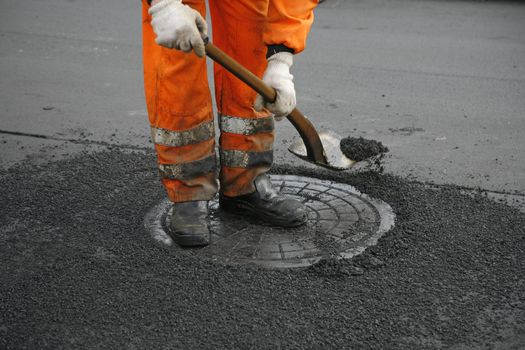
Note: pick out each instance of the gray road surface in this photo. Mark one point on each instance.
(441, 83)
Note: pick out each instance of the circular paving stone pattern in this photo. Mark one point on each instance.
(342, 222)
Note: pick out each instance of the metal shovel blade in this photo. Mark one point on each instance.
(335, 159)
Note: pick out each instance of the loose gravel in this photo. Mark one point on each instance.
(78, 270)
(359, 148)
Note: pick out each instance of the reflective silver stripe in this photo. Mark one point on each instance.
(242, 159)
(200, 133)
(188, 171)
(244, 126)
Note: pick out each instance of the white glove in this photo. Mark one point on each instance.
(178, 26)
(277, 75)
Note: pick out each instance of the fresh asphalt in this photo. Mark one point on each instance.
(79, 271)
(440, 83)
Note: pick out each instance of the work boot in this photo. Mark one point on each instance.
(188, 225)
(266, 204)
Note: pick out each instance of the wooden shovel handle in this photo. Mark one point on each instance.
(314, 147)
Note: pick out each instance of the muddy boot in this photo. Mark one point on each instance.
(189, 225)
(267, 205)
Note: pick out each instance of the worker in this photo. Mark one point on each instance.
(262, 35)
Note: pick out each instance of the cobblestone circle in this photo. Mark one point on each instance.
(342, 222)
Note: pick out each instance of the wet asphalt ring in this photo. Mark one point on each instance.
(78, 270)
(342, 223)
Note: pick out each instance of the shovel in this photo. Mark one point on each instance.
(318, 148)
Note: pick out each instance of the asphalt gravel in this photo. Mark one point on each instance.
(78, 270)
(359, 148)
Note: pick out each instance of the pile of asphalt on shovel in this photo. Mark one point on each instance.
(78, 270)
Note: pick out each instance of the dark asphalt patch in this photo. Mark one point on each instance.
(359, 148)
(78, 270)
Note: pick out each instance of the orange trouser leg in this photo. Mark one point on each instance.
(180, 114)
(289, 22)
(247, 136)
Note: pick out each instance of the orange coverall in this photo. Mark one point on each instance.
(179, 101)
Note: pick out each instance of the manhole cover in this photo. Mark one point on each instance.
(341, 222)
